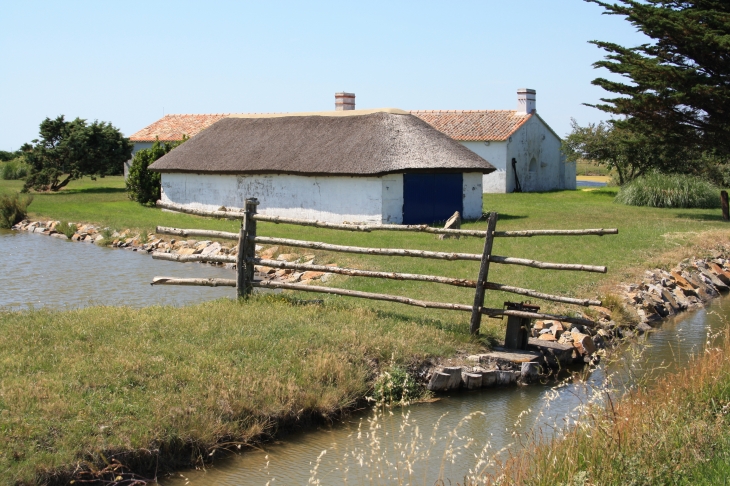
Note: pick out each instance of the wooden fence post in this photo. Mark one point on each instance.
(476, 314)
(246, 251)
(725, 209)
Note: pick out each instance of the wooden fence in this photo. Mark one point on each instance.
(246, 259)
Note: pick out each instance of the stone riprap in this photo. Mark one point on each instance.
(660, 294)
(152, 243)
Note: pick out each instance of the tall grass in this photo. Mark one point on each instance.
(13, 209)
(669, 191)
(674, 432)
(68, 229)
(160, 387)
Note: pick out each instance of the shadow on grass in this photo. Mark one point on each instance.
(502, 217)
(87, 190)
(701, 217)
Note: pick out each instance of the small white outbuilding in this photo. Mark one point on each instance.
(365, 166)
(523, 148)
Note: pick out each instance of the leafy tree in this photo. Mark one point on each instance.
(6, 156)
(69, 150)
(143, 185)
(678, 94)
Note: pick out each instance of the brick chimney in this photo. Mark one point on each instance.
(344, 101)
(526, 101)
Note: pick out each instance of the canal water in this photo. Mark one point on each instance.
(447, 438)
(416, 445)
(41, 271)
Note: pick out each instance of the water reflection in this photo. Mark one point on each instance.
(40, 271)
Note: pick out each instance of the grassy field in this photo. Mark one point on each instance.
(79, 384)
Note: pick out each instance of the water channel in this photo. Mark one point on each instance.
(441, 439)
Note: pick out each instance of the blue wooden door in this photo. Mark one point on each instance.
(428, 198)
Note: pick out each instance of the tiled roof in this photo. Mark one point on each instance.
(457, 124)
(474, 124)
(173, 127)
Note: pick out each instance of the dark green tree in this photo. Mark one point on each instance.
(678, 89)
(69, 150)
(143, 185)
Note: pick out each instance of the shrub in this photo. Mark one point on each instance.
(395, 386)
(143, 185)
(669, 191)
(14, 169)
(13, 209)
(67, 229)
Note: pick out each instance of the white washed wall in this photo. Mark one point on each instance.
(496, 154)
(393, 199)
(534, 140)
(472, 195)
(334, 198)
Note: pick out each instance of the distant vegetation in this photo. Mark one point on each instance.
(670, 191)
(70, 150)
(14, 169)
(13, 209)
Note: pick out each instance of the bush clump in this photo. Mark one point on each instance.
(143, 185)
(68, 229)
(13, 170)
(669, 191)
(13, 209)
(395, 387)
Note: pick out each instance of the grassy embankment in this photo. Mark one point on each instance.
(77, 384)
(676, 431)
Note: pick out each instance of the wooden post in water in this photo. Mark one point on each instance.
(725, 209)
(476, 313)
(246, 251)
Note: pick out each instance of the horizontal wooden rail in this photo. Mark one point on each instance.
(194, 258)
(418, 303)
(230, 214)
(221, 282)
(205, 282)
(225, 235)
(581, 232)
(316, 245)
(546, 265)
(458, 282)
(420, 228)
(540, 295)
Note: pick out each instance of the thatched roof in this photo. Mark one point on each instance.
(360, 144)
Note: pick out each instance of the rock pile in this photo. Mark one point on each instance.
(151, 243)
(687, 286)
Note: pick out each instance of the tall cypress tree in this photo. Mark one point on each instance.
(678, 89)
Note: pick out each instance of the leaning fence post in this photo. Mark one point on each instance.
(476, 312)
(246, 250)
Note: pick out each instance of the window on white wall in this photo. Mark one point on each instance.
(533, 165)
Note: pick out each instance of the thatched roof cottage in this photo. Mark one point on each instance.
(370, 166)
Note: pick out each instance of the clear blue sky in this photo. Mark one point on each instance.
(126, 62)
